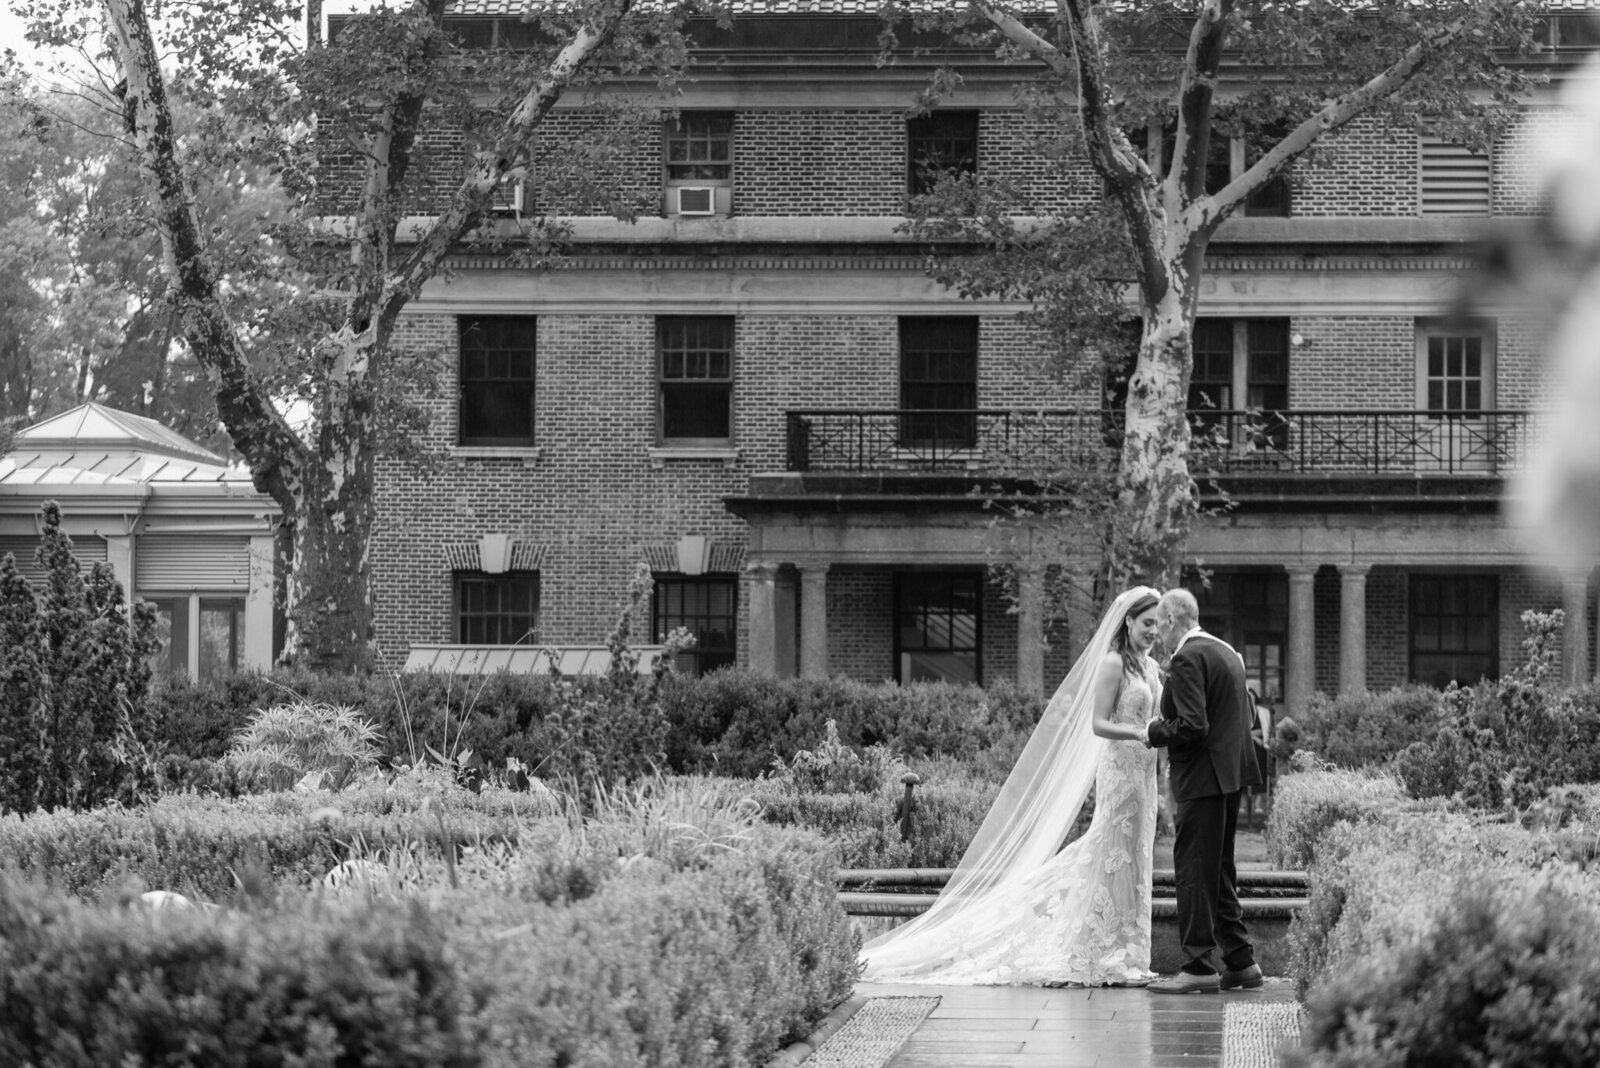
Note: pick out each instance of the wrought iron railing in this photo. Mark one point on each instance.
(1298, 441)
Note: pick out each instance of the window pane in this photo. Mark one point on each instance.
(221, 635)
(696, 377)
(707, 607)
(939, 627)
(1454, 628)
(695, 411)
(699, 146)
(496, 380)
(497, 609)
(941, 142)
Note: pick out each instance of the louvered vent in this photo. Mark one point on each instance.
(89, 551)
(1455, 180)
(177, 563)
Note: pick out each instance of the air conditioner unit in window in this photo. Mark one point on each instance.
(697, 200)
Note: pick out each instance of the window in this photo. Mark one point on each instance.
(937, 627)
(695, 368)
(1455, 629)
(699, 163)
(938, 143)
(1455, 369)
(209, 650)
(1241, 359)
(708, 607)
(1226, 159)
(1455, 179)
(1250, 611)
(496, 609)
(497, 378)
(939, 377)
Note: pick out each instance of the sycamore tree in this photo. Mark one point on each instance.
(394, 143)
(1115, 79)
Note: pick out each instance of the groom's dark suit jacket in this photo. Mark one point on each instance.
(1206, 721)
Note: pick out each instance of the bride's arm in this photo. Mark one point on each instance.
(1106, 684)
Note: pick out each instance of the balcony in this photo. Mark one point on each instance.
(1301, 442)
(1339, 459)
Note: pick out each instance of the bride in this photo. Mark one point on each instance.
(1017, 910)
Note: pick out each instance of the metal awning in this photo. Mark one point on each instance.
(568, 660)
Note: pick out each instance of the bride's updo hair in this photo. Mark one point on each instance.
(1131, 659)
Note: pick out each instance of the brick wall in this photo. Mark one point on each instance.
(1518, 189)
(1043, 162)
(860, 643)
(1363, 169)
(592, 498)
(1388, 628)
(819, 163)
(1349, 362)
(795, 361)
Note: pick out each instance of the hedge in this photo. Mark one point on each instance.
(199, 846)
(1436, 940)
(590, 944)
(727, 723)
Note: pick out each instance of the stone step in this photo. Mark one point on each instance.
(1251, 883)
(877, 903)
(1268, 918)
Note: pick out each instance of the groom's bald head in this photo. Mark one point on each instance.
(1180, 603)
(1179, 611)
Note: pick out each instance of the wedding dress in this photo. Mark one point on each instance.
(1019, 912)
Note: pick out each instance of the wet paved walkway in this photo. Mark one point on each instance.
(1035, 1027)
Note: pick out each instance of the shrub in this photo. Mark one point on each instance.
(73, 682)
(1374, 887)
(284, 744)
(199, 846)
(1306, 805)
(865, 827)
(304, 983)
(1508, 742)
(1368, 729)
(1505, 975)
(668, 928)
(833, 767)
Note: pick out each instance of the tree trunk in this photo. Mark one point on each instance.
(329, 593)
(1156, 499)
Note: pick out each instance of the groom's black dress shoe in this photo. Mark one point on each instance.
(1185, 983)
(1243, 978)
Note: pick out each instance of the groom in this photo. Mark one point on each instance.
(1205, 724)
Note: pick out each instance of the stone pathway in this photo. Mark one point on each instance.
(1037, 1027)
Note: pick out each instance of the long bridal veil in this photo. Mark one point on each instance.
(1029, 819)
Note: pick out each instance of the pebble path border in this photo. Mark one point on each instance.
(873, 1034)
(1253, 1035)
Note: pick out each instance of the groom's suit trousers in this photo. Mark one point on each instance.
(1210, 918)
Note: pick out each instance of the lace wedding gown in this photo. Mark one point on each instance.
(1082, 918)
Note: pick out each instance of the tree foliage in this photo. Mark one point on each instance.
(74, 676)
(1283, 75)
(392, 144)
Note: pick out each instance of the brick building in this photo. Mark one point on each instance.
(729, 389)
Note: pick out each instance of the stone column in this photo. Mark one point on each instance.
(1030, 630)
(1575, 638)
(119, 554)
(814, 621)
(1302, 664)
(1353, 628)
(763, 654)
(257, 651)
